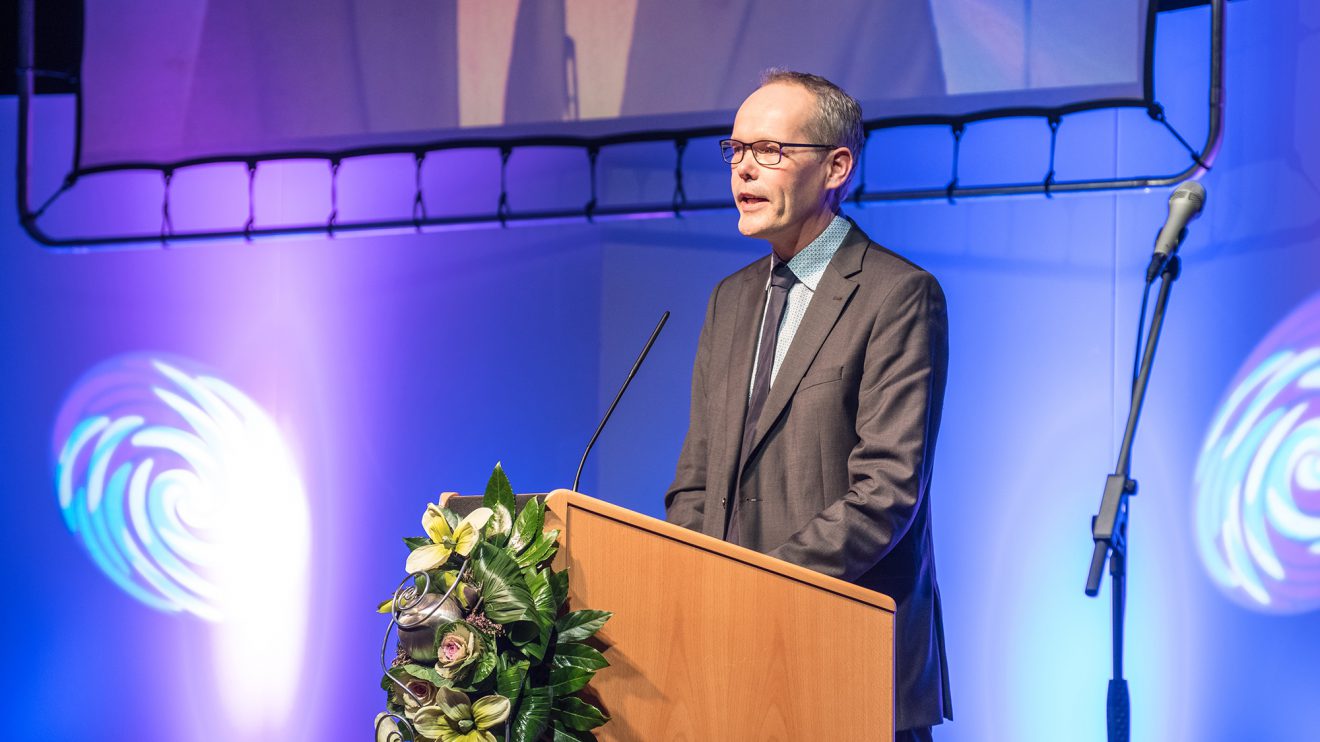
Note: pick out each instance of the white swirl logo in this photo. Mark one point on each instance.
(1257, 514)
(153, 459)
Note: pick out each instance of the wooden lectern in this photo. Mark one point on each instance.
(711, 641)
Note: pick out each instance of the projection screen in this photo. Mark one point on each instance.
(192, 81)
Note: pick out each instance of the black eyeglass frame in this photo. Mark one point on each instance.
(735, 158)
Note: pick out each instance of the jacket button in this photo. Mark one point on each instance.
(723, 501)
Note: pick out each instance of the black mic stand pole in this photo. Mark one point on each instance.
(1109, 527)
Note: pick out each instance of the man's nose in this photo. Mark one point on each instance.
(746, 167)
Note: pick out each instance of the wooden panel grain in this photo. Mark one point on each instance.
(711, 641)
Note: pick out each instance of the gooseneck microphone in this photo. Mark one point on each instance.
(638, 364)
(1184, 205)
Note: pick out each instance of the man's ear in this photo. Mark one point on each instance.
(841, 164)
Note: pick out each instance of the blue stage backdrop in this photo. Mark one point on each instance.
(378, 371)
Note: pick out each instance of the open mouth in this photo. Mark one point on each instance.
(747, 199)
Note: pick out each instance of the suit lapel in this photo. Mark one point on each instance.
(742, 354)
(832, 294)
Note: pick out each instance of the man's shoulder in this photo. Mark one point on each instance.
(890, 261)
(876, 263)
(759, 268)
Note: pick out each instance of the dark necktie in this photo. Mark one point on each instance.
(781, 280)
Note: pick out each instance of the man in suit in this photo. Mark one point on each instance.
(818, 384)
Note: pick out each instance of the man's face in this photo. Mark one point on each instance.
(781, 203)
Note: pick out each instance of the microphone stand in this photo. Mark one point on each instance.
(1109, 527)
(636, 365)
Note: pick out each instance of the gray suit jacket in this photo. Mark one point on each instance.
(839, 471)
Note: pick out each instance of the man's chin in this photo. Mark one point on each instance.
(752, 226)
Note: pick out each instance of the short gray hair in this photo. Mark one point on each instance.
(838, 118)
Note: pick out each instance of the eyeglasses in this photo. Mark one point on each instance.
(765, 151)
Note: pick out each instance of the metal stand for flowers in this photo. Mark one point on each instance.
(404, 596)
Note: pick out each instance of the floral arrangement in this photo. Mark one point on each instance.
(483, 652)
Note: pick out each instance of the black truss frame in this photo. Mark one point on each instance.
(1200, 161)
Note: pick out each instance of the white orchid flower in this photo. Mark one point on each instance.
(460, 540)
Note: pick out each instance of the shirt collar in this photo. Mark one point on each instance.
(809, 264)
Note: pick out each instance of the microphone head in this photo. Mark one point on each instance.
(1185, 204)
(1191, 192)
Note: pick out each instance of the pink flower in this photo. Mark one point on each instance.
(452, 648)
(459, 648)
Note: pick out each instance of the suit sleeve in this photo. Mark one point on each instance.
(898, 413)
(685, 502)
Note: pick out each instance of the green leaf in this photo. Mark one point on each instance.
(564, 734)
(543, 599)
(533, 715)
(527, 525)
(441, 582)
(534, 648)
(485, 664)
(579, 625)
(567, 680)
(500, 526)
(509, 679)
(430, 722)
(421, 672)
(538, 583)
(498, 489)
(582, 656)
(540, 550)
(489, 711)
(506, 598)
(526, 634)
(559, 587)
(451, 518)
(402, 674)
(416, 542)
(499, 498)
(578, 714)
(388, 729)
